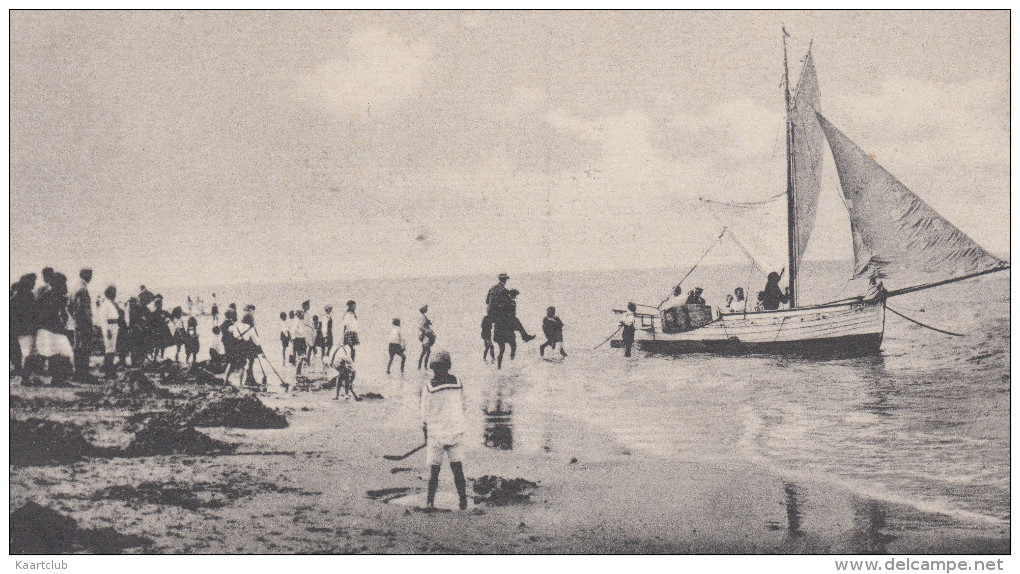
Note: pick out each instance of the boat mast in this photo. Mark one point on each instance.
(791, 195)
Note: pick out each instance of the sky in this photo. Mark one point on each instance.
(193, 148)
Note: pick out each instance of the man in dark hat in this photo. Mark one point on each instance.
(80, 308)
(498, 298)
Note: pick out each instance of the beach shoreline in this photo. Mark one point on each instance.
(308, 492)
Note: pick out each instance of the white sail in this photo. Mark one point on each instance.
(806, 155)
(898, 237)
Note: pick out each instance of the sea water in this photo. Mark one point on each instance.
(925, 423)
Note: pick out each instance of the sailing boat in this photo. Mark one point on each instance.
(899, 241)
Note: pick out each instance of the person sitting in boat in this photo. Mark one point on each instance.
(772, 296)
(729, 307)
(694, 297)
(739, 302)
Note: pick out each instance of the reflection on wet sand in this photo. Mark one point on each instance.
(498, 430)
(869, 520)
(880, 386)
(793, 515)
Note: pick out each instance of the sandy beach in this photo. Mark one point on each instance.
(321, 485)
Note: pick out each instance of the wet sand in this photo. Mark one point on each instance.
(305, 489)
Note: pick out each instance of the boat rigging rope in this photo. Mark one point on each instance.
(747, 204)
(607, 338)
(740, 245)
(698, 262)
(922, 324)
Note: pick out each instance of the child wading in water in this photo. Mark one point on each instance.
(552, 326)
(427, 337)
(343, 362)
(442, 410)
(191, 343)
(487, 338)
(397, 346)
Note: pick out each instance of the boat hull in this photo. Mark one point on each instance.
(840, 330)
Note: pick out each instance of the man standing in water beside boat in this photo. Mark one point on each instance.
(627, 324)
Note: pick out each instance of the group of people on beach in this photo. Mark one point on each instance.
(51, 328)
(307, 336)
(56, 331)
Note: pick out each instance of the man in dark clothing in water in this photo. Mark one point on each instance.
(498, 298)
(772, 296)
(505, 326)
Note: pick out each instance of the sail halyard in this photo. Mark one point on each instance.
(897, 237)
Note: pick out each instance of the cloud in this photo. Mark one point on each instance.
(379, 72)
(928, 122)
(733, 130)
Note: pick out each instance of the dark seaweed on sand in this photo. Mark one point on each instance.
(36, 529)
(499, 491)
(163, 435)
(39, 441)
(245, 412)
(193, 496)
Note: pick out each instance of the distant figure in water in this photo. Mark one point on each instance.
(497, 300)
(487, 338)
(246, 349)
(317, 339)
(772, 296)
(552, 326)
(109, 317)
(179, 334)
(215, 310)
(301, 331)
(397, 346)
(694, 297)
(343, 362)
(442, 412)
(327, 331)
(349, 324)
(291, 321)
(517, 326)
(284, 334)
(216, 351)
(426, 336)
(191, 344)
(628, 328)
